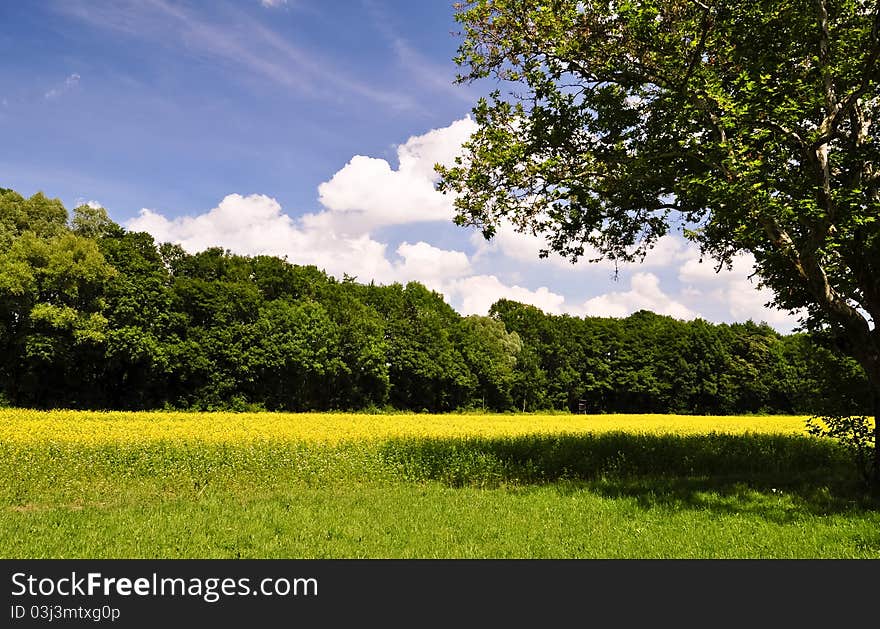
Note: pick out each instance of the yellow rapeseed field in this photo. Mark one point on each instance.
(97, 428)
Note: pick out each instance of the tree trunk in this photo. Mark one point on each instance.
(865, 348)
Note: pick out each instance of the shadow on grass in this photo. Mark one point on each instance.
(777, 476)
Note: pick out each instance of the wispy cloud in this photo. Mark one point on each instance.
(70, 83)
(240, 40)
(429, 74)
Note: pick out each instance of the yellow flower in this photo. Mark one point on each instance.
(96, 428)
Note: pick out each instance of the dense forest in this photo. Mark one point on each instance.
(94, 316)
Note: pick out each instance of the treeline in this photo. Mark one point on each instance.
(95, 316)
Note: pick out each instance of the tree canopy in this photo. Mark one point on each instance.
(750, 126)
(94, 316)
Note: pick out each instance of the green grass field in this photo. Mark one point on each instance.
(580, 494)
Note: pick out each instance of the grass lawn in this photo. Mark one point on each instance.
(104, 486)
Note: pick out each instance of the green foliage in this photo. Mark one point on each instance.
(93, 316)
(535, 497)
(760, 459)
(753, 127)
(39, 215)
(425, 367)
(855, 432)
(52, 326)
(752, 123)
(652, 363)
(490, 352)
(92, 222)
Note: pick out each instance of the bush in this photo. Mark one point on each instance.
(856, 434)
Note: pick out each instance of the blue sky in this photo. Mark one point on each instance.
(304, 128)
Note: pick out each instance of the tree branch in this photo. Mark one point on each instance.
(810, 270)
(824, 37)
(793, 136)
(828, 129)
(705, 27)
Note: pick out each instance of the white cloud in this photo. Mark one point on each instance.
(524, 247)
(669, 250)
(512, 244)
(695, 271)
(748, 302)
(733, 290)
(367, 193)
(91, 203)
(255, 225)
(419, 154)
(477, 293)
(364, 195)
(431, 266)
(644, 294)
(273, 4)
(70, 83)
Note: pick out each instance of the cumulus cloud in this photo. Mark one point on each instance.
(431, 266)
(697, 271)
(644, 294)
(733, 290)
(369, 193)
(256, 225)
(363, 196)
(90, 202)
(477, 293)
(508, 242)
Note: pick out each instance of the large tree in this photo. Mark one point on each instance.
(751, 126)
